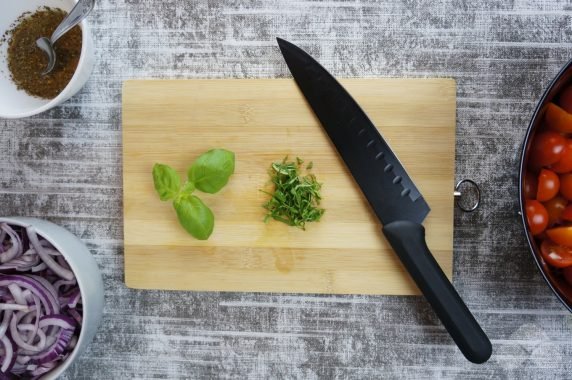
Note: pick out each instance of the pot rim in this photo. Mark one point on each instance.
(547, 95)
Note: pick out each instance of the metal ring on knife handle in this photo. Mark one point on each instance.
(458, 195)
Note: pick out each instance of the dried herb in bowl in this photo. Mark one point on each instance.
(26, 61)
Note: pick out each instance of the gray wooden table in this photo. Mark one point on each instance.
(65, 166)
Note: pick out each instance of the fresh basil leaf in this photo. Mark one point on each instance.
(211, 171)
(167, 181)
(194, 216)
(188, 188)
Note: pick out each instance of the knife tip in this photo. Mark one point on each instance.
(281, 41)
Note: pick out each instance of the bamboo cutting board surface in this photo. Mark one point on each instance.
(263, 120)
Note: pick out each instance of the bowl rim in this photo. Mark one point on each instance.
(62, 95)
(58, 370)
(546, 96)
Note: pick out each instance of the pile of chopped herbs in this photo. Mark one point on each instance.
(296, 197)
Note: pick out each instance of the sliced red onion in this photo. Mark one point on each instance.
(64, 283)
(46, 284)
(15, 334)
(28, 262)
(17, 294)
(46, 244)
(57, 320)
(2, 237)
(5, 322)
(50, 340)
(35, 330)
(23, 359)
(29, 318)
(63, 262)
(46, 258)
(16, 249)
(9, 355)
(40, 370)
(48, 249)
(49, 302)
(74, 299)
(77, 316)
(73, 342)
(39, 268)
(36, 319)
(40, 310)
(14, 307)
(56, 350)
(17, 369)
(28, 296)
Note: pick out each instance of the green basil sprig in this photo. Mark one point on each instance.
(209, 173)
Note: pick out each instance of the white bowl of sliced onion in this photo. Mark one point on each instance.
(51, 298)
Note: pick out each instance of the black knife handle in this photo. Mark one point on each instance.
(408, 241)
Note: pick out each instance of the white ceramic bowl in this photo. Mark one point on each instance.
(88, 278)
(16, 103)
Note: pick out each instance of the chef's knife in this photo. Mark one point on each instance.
(391, 193)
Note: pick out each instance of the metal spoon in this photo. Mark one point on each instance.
(78, 13)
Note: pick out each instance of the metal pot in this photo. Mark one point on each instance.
(556, 282)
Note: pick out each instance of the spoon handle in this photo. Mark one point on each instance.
(78, 13)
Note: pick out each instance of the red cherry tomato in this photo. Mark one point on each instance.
(556, 255)
(564, 165)
(537, 216)
(557, 119)
(565, 100)
(566, 186)
(568, 274)
(555, 207)
(530, 185)
(547, 148)
(548, 185)
(566, 213)
(561, 235)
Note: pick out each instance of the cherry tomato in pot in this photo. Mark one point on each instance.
(537, 216)
(567, 213)
(558, 119)
(530, 185)
(555, 208)
(566, 186)
(548, 185)
(561, 235)
(564, 165)
(556, 255)
(547, 148)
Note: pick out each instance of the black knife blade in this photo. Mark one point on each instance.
(390, 191)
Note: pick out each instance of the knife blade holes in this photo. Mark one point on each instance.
(379, 156)
(396, 180)
(388, 168)
(361, 132)
(405, 192)
(370, 143)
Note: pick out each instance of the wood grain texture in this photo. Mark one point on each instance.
(262, 121)
(65, 166)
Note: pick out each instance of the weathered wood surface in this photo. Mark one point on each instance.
(65, 165)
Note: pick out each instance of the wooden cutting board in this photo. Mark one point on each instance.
(174, 121)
